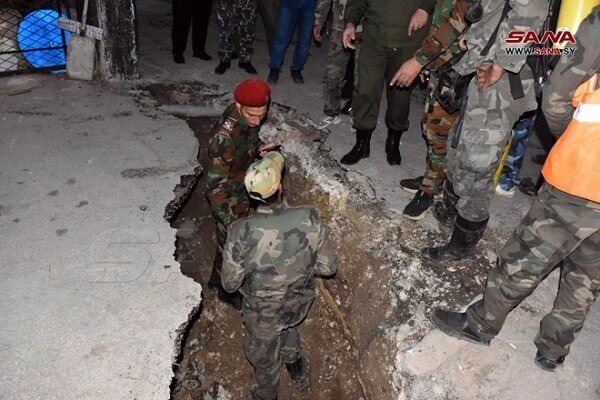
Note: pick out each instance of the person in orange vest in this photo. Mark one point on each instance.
(562, 227)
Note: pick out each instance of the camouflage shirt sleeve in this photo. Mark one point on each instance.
(448, 23)
(327, 261)
(355, 11)
(233, 270)
(570, 72)
(524, 15)
(221, 151)
(321, 12)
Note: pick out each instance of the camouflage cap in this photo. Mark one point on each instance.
(263, 176)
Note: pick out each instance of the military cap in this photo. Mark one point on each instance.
(263, 176)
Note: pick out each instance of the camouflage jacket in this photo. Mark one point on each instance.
(447, 24)
(274, 254)
(339, 6)
(232, 147)
(386, 21)
(524, 15)
(570, 72)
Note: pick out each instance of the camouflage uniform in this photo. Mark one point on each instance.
(447, 24)
(236, 20)
(337, 55)
(490, 116)
(273, 255)
(232, 147)
(560, 229)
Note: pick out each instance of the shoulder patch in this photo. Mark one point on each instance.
(228, 126)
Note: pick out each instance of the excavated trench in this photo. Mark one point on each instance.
(361, 319)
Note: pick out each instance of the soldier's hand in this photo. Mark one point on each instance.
(462, 43)
(418, 20)
(349, 36)
(266, 147)
(317, 33)
(407, 73)
(487, 75)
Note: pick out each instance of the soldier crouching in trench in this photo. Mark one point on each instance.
(273, 256)
(233, 145)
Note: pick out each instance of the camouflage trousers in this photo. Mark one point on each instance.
(560, 230)
(482, 134)
(236, 20)
(435, 124)
(335, 74)
(271, 334)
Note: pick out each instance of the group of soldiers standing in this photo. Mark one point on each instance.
(476, 92)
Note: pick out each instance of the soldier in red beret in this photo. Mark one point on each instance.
(233, 144)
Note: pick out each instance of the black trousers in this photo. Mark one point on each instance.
(186, 13)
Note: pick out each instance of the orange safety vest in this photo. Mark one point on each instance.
(573, 164)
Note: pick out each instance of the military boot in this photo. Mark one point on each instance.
(362, 148)
(299, 372)
(547, 363)
(462, 243)
(392, 147)
(445, 211)
(255, 394)
(456, 324)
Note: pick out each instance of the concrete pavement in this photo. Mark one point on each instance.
(92, 300)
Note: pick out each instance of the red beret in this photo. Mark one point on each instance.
(252, 93)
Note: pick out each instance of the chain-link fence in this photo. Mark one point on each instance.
(29, 36)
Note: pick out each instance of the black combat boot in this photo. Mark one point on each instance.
(445, 211)
(248, 67)
(299, 372)
(392, 147)
(222, 67)
(547, 363)
(361, 149)
(255, 394)
(273, 76)
(456, 324)
(462, 244)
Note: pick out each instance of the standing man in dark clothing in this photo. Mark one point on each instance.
(233, 145)
(269, 10)
(390, 37)
(236, 19)
(196, 13)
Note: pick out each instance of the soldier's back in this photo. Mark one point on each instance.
(280, 245)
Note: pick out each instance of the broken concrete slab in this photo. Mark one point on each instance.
(93, 303)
